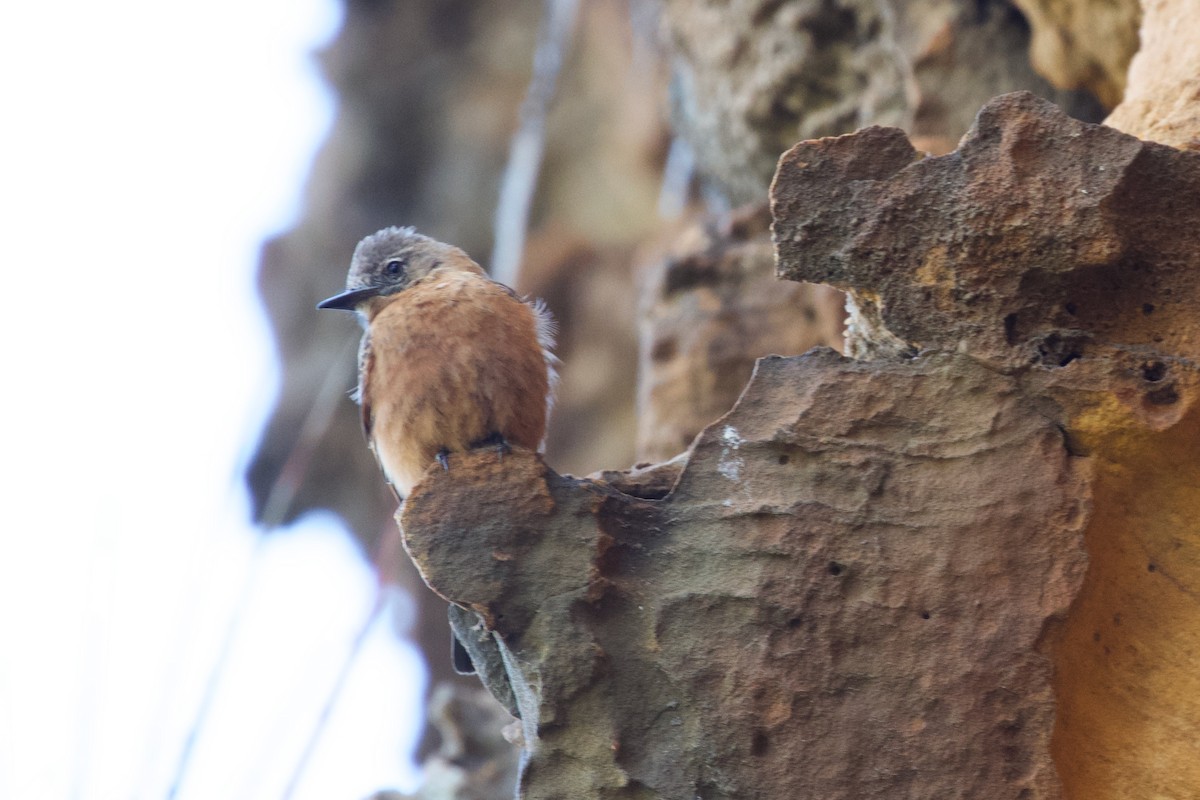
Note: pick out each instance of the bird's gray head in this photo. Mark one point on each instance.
(391, 260)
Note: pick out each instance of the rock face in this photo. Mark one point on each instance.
(1041, 239)
(888, 556)
(1062, 254)
(875, 553)
(751, 77)
(754, 76)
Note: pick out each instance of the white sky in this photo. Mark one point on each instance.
(146, 149)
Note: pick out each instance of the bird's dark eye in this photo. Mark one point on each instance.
(394, 267)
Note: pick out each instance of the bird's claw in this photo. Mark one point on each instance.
(496, 440)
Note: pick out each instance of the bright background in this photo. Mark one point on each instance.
(146, 150)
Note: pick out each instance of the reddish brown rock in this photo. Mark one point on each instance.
(1064, 255)
(873, 553)
(866, 567)
(1039, 240)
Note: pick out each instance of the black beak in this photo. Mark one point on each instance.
(348, 301)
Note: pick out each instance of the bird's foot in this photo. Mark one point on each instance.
(443, 458)
(496, 440)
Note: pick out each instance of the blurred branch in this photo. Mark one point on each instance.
(677, 178)
(525, 154)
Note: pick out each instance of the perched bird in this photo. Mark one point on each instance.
(450, 361)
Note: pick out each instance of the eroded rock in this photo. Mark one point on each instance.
(1064, 255)
(843, 596)
(754, 76)
(1042, 239)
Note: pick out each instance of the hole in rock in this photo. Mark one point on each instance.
(1154, 371)
(1059, 350)
(1010, 329)
(1162, 397)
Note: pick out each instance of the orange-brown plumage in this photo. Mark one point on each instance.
(450, 359)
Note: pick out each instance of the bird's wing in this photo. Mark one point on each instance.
(362, 395)
(366, 364)
(547, 330)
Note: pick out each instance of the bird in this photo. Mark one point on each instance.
(450, 360)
